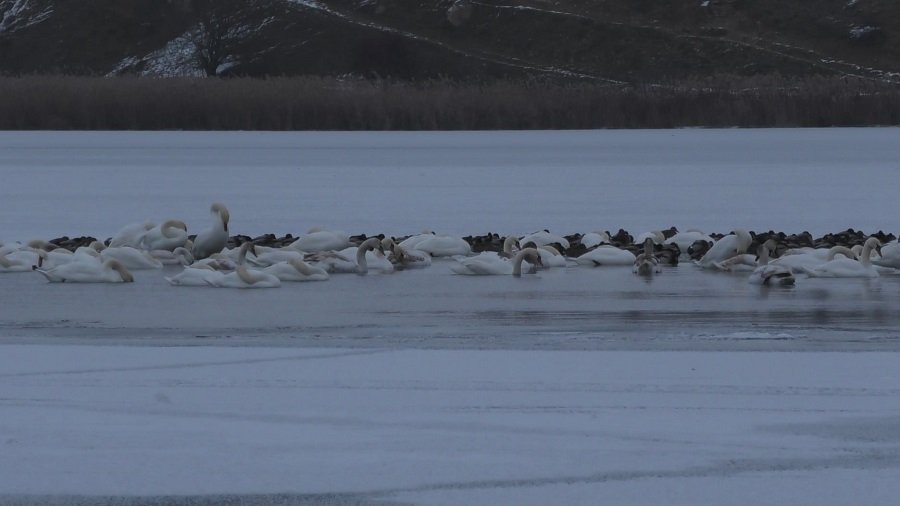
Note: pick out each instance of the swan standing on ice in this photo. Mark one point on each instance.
(843, 267)
(646, 264)
(213, 239)
(496, 266)
(726, 247)
(88, 271)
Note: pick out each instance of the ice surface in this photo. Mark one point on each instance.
(572, 386)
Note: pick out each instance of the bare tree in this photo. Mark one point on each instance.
(225, 29)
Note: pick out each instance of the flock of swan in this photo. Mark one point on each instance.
(208, 261)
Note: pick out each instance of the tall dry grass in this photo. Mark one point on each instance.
(310, 103)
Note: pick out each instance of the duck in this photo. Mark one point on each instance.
(646, 264)
(199, 275)
(167, 236)
(296, 270)
(606, 255)
(496, 266)
(767, 274)
(88, 271)
(725, 248)
(242, 277)
(212, 240)
(844, 267)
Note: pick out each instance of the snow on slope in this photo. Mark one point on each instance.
(19, 14)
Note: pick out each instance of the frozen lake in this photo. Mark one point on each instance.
(572, 386)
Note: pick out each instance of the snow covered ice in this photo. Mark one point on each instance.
(572, 386)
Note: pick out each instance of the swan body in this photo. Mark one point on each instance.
(591, 239)
(543, 237)
(844, 267)
(167, 236)
(369, 254)
(19, 260)
(437, 245)
(656, 236)
(890, 255)
(606, 255)
(243, 277)
(321, 240)
(131, 235)
(485, 265)
(551, 257)
(768, 274)
(202, 275)
(725, 248)
(296, 270)
(131, 258)
(88, 271)
(646, 264)
(807, 259)
(213, 239)
(264, 257)
(179, 256)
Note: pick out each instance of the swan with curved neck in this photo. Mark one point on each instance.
(487, 265)
(726, 247)
(169, 235)
(770, 274)
(846, 267)
(213, 239)
(296, 270)
(370, 244)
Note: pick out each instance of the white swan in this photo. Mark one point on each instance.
(802, 260)
(496, 266)
(768, 274)
(178, 256)
(169, 235)
(544, 237)
(437, 245)
(243, 277)
(656, 236)
(890, 255)
(646, 264)
(201, 275)
(88, 271)
(131, 258)
(263, 256)
(606, 255)
(296, 270)
(843, 267)
(591, 239)
(550, 257)
(320, 240)
(20, 260)
(131, 235)
(213, 239)
(726, 247)
(343, 261)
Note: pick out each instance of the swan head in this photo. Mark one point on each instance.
(222, 211)
(175, 224)
(388, 244)
(118, 267)
(97, 246)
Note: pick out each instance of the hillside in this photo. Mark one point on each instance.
(643, 41)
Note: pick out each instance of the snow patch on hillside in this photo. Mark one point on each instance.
(175, 59)
(20, 14)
